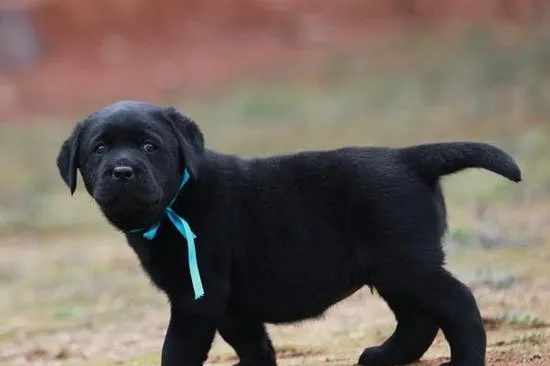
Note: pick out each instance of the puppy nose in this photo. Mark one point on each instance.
(123, 173)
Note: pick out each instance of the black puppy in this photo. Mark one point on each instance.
(282, 238)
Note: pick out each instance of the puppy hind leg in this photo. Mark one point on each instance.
(450, 304)
(455, 309)
(411, 338)
(250, 341)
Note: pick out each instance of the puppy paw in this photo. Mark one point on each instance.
(381, 356)
(258, 362)
(450, 363)
(263, 363)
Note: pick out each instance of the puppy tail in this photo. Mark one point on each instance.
(432, 161)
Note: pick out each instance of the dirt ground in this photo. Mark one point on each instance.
(81, 299)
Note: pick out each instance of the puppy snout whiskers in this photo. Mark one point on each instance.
(123, 174)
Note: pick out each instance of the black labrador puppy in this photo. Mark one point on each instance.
(236, 243)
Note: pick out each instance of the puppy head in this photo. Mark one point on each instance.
(131, 156)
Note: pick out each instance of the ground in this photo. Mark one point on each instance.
(72, 292)
(88, 303)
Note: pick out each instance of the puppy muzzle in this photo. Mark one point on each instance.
(128, 188)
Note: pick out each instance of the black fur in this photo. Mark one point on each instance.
(282, 238)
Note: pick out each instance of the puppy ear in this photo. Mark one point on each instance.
(67, 160)
(190, 139)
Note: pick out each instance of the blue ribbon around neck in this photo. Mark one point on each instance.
(185, 230)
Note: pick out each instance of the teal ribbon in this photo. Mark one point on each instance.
(185, 230)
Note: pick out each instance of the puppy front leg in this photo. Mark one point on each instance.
(188, 340)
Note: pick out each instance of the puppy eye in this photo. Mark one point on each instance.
(149, 147)
(100, 149)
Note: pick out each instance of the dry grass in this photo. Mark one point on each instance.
(71, 292)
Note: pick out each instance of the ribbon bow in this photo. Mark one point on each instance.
(185, 230)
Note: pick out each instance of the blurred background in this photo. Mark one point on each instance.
(263, 77)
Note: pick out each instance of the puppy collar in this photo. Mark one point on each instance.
(185, 230)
